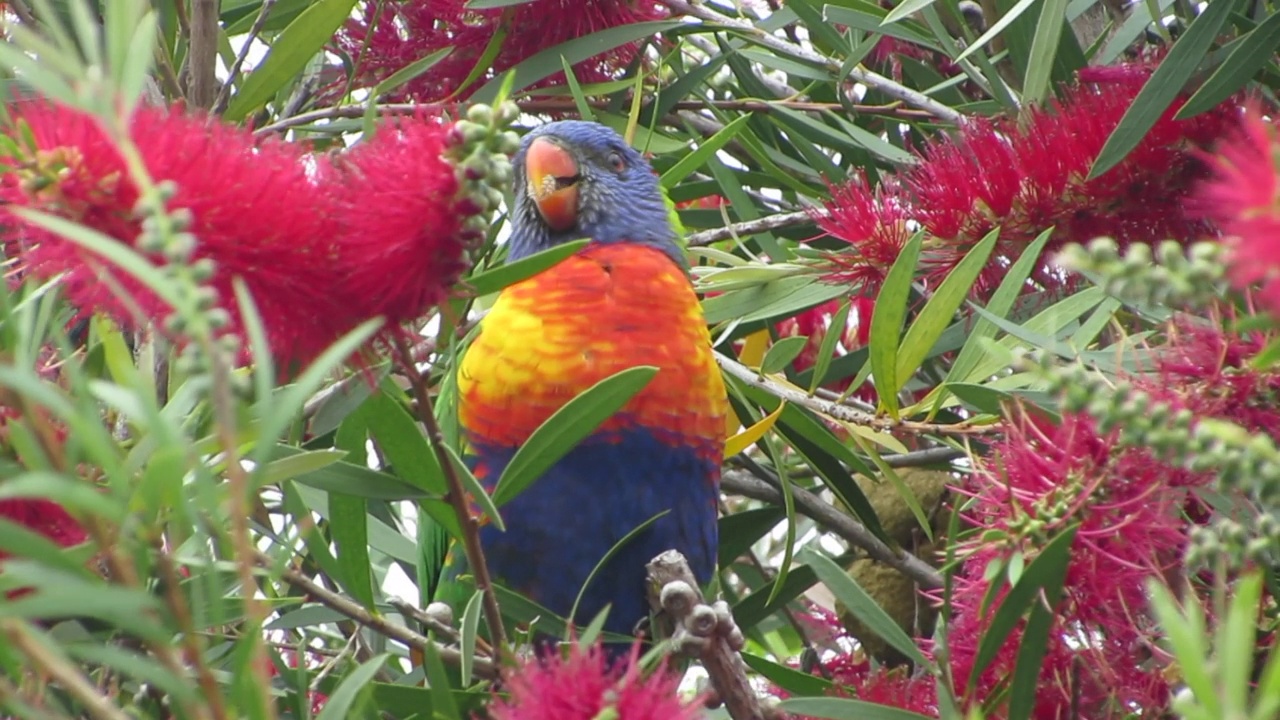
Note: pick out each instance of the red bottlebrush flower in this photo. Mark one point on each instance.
(1029, 176)
(254, 212)
(388, 36)
(45, 517)
(400, 220)
(1244, 197)
(582, 686)
(708, 202)
(815, 324)
(1041, 479)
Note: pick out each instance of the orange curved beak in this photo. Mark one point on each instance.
(552, 175)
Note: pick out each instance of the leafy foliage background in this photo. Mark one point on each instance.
(257, 537)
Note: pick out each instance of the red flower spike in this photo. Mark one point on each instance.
(1026, 177)
(388, 36)
(254, 210)
(1244, 196)
(399, 239)
(582, 686)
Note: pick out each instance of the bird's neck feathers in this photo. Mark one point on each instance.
(637, 222)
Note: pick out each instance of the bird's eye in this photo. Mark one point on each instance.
(616, 162)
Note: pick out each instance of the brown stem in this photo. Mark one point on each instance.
(558, 105)
(240, 486)
(377, 623)
(752, 227)
(224, 94)
(192, 652)
(202, 58)
(844, 413)
(827, 515)
(457, 498)
(63, 672)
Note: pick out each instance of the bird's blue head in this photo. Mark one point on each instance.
(577, 179)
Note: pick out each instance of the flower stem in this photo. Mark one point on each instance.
(457, 498)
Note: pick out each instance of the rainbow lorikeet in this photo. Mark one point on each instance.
(622, 301)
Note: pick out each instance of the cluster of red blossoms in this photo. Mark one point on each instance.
(388, 36)
(583, 686)
(1025, 176)
(1134, 512)
(1244, 197)
(322, 243)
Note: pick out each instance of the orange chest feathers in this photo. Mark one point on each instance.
(601, 311)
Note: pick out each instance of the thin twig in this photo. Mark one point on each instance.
(457, 498)
(928, 456)
(753, 227)
(377, 623)
(224, 94)
(560, 105)
(844, 413)
(866, 77)
(202, 58)
(742, 483)
(63, 672)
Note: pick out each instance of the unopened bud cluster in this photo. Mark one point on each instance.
(1241, 461)
(1171, 274)
(480, 147)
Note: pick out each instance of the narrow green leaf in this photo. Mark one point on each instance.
(473, 487)
(470, 630)
(1031, 648)
(1044, 48)
(495, 279)
(1185, 631)
(886, 324)
(569, 426)
(1255, 50)
(827, 351)
(348, 524)
(862, 605)
(694, 160)
(844, 709)
(939, 312)
(906, 9)
(1049, 567)
(289, 54)
(782, 353)
(997, 28)
(1237, 632)
(1163, 85)
(291, 466)
(614, 550)
(548, 62)
(579, 100)
(341, 702)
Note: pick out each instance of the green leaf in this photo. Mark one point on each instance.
(694, 160)
(348, 525)
(289, 54)
(997, 28)
(939, 311)
(302, 463)
(844, 709)
(827, 351)
(787, 678)
(548, 62)
(470, 631)
(569, 426)
(495, 279)
(1255, 49)
(906, 9)
(782, 353)
(1163, 85)
(1046, 570)
(863, 606)
(579, 99)
(886, 324)
(1044, 48)
(340, 703)
(1185, 633)
(1035, 639)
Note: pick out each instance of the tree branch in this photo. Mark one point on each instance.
(752, 227)
(202, 58)
(866, 77)
(740, 482)
(457, 499)
(377, 623)
(224, 94)
(844, 413)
